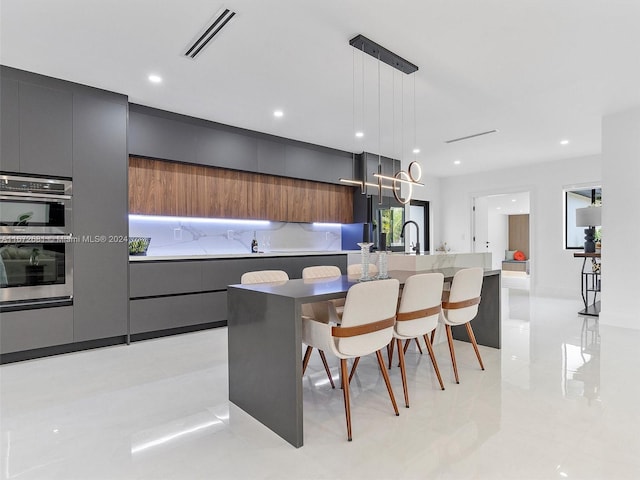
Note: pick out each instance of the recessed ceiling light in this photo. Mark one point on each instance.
(278, 113)
(513, 199)
(416, 150)
(498, 208)
(155, 78)
(564, 142)
(457, 162)
(359, 134)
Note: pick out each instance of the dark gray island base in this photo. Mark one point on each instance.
(265, 343)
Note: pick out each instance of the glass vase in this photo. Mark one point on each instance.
(382, 265)
(364, 254)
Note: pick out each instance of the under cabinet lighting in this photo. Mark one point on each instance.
(324, 224)
(161, 218)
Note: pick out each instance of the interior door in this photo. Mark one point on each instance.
(480, 225)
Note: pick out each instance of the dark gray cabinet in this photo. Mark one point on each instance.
(46, 130)
(317, 164)
(36, 125)
(168, 136)
(100, 209)
(225, 149)
(156, 137)
(31, 329)
(173, 294)
(271, 159)
(367, 166)
(9, 125)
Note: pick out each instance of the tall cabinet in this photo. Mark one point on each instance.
(50, 127)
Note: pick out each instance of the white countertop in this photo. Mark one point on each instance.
(287, 253)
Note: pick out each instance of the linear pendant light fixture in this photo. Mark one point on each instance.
(202, 39)
(386, 56)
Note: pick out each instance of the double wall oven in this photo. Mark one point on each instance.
(36, 241)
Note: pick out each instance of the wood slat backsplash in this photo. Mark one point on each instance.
(158, 187)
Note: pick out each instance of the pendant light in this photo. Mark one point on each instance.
(411, 177)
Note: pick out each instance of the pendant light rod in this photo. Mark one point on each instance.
(385, 55)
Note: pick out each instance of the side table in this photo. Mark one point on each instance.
(590, 283)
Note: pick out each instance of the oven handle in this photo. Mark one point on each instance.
(34, 196)
(35, 238)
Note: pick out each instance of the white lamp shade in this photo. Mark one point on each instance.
(588, 217)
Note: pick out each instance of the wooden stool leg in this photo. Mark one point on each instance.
(452, 351)
(353, 368)
(472, 337)
(326, 368)
(403, 373)
(387, 381)
(433, 361)
(418, 344)
(345, 391)
(433, 335)
(390, 350)
(305, 361)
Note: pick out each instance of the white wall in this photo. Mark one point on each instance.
(620, 218)
(554, 270)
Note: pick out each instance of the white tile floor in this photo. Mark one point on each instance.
(560, 400)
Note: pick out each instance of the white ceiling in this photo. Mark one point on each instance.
(539, 71)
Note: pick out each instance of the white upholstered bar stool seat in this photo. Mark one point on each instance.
(321, 312)
(356, 269)
(367, 327)
(461, 307)
(417, 316)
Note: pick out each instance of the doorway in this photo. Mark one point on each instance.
(501, 227)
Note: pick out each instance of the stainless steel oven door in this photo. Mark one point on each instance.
(32, 213)
(35, 268)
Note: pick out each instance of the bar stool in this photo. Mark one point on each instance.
(461, 307)
(417, 316)
(367, 327)
(320, 311)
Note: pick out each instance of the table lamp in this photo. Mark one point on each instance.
(588, 217)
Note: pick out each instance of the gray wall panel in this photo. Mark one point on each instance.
(271, 159)
(156, 137)
(9, 125)
(100, 206)
(46, 130)
(225, 149)
(317, 164)
(29, 329)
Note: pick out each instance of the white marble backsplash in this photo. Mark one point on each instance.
(185, 236)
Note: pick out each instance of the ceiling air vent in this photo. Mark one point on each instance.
(453, 140)
(211, 30)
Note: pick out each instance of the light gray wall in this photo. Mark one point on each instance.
(554, 270)
(620, 225)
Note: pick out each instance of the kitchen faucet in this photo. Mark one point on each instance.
(417, 247)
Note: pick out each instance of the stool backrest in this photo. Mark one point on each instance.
(421, 298)
(264, 276)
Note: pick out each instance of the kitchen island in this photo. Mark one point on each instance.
(265, 338)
